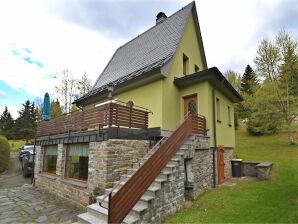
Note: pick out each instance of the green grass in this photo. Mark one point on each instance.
(272, 201)
(16, 144)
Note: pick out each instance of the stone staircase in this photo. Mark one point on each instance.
(164, 197)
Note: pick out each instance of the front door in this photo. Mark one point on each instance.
(220, 164)
(190, 104)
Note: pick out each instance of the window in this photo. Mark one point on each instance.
(185, 65)
(229, 116)
(77, 161)
(218, 110)
(50, 159)
(197, 68)
(192, 107)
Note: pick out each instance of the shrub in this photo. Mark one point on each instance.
(4, 153)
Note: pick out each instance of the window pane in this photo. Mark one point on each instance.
(192, 107)
(77, 161)
(50, 159)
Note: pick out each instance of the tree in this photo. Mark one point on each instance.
(25, 126)
(66, 90)
(249, 81)
(233, 78)
(38, 101)
(264, 117)
(6, 124)
(277, 63)
(55, 109)
(83, 85)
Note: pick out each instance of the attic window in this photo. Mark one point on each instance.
(185, 65)
(197, 68)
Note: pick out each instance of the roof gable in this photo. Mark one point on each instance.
(150, 51)
(147, 51)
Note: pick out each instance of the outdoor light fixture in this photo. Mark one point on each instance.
(110, 90)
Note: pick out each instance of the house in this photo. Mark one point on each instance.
(158, 87)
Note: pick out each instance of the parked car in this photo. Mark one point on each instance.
(26, 159)
(24, 150)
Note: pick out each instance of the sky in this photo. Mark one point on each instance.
(40, 39)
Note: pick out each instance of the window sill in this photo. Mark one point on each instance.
(79, 183)
(219, 121)
(49, 175)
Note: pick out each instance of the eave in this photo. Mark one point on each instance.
(217, 80)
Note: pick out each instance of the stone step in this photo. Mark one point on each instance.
(101, 214)
(158, 182)
(97, 210)
(90, 219)
(144, 200)
(152, 191)
(170, 168)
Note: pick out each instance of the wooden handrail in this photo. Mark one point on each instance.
(128, 195)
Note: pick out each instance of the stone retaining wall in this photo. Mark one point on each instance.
(107, 161)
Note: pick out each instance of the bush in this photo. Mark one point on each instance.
(4, 153)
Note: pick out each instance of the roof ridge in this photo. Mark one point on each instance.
(184, 7)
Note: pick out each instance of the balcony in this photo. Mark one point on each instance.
(111, 114)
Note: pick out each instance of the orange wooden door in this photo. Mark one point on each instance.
(220, 164)
(190, 104)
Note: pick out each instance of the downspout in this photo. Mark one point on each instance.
(214, 138)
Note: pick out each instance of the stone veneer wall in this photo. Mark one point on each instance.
(249, 168)
(202, 166)
(112, 158)
(107, 161)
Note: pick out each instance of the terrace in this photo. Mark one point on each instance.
(113, 119)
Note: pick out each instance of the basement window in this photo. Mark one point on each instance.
(50, 159)
(197, 68)
(218, 110)
(77, 159)
(185, 65)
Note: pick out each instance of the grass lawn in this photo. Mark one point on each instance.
(275, 200)
(16, 144)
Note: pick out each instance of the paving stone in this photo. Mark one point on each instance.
(30, 205)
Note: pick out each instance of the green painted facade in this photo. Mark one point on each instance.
(166, 101)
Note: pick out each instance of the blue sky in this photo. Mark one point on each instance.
(39, 39)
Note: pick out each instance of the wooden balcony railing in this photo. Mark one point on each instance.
(110, 114)
(128, 195)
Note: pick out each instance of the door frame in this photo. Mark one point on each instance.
(188, 98)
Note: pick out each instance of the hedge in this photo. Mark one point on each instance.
(4, 153)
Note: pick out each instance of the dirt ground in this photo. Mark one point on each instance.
(14, 176)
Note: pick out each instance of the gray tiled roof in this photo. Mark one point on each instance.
(148, 51)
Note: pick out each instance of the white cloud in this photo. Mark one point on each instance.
(55, 43)
(231, 30)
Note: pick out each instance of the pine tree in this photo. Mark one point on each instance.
(55, 109)
(6, 124)
(249, 81)
(25, 126)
